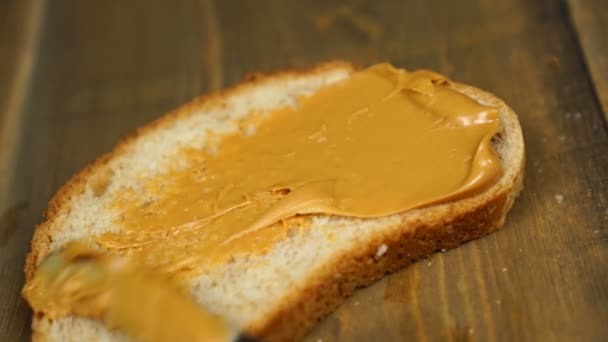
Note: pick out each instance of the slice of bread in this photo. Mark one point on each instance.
(303, 277)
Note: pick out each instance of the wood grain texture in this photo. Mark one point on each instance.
(590, 18)
(103, 69)
(20, 24)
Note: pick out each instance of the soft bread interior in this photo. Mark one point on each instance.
(249, 291)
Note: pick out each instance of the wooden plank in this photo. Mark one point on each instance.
(98, 74)
(20, 23)
(104, 69)
(19, 30)
(590, 18)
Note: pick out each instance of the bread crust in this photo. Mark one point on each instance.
(442, 227)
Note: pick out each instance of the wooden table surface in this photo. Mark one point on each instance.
(75, 76)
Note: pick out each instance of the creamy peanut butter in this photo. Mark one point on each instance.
(379, 143)
(125, 295)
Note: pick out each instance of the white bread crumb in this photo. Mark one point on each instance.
(381, 250)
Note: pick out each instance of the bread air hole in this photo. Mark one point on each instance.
(100, 183)
(497, 138)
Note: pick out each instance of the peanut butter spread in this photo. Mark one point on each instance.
(378, 143)
(144, 304)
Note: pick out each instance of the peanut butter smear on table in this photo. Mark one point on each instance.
(379, 143)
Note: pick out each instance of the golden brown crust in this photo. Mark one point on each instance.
(413, 239)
